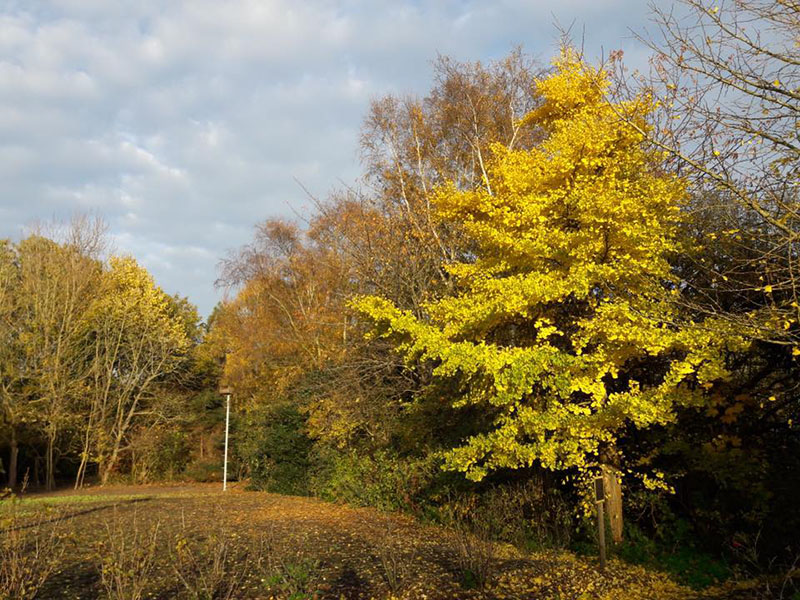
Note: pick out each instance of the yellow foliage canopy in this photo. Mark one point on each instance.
(562, 324)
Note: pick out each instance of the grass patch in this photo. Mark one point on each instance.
(27, 506)
(78, 499)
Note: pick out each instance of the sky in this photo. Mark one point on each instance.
(185, 123)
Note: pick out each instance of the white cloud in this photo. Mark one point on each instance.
(186, 122)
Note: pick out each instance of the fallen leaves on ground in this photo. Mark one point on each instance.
(303, 548)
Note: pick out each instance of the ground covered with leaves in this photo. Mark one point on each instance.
(197, 542)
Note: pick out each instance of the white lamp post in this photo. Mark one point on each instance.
(226, 391)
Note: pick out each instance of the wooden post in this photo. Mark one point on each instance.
(601, 520)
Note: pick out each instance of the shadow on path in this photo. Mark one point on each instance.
(72, 515)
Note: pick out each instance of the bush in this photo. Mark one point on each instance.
(159, 454)
(126, 557)
(475, 550)
(383, 479)
(275, 449)
(529, 514)
(212, 567)
(30, 551)
(292, 577)
(395, 556)
(204, 471)
(678, 556)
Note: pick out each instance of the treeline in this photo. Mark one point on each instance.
(549, 273)
(100, 370)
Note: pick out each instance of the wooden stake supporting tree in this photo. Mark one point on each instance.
(600, 500)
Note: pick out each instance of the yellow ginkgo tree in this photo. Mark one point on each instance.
(562, 327)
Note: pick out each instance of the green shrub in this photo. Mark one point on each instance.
(292, 578)
(160, 454)
(382, 479)
(204, 471)
(676, 553)
(275, 449)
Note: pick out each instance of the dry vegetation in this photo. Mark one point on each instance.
(195, 542)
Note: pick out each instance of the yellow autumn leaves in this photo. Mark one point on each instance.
(562, 327)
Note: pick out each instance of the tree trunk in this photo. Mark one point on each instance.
(613, 496)
(109, 466)
(12, 460)
(81, 474)
(50, 478)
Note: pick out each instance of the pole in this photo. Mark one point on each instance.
(227, 424)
